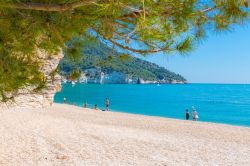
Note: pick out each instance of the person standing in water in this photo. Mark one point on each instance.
(85, 105)
(195, 114)
(65, 100)
(95, 107)
(107, 104)
(187, 114)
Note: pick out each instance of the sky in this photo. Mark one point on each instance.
(221, 58)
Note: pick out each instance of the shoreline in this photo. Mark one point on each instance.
(215, 103)
(164, 117)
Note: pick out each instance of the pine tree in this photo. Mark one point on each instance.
(132, 26)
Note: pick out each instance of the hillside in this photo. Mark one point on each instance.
(99, 61)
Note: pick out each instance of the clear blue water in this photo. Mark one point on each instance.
(229, 104)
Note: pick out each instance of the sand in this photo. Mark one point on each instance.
(68, 135)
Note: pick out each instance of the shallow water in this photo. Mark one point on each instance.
(220, 103)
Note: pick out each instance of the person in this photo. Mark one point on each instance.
(95, 107)
(195, 114)
(65, 100)
(85, 105)
(187, 114)
(107, 104)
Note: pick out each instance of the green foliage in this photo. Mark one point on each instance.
(15, 73)
(74, 75)
(97, 55)
(130, 26)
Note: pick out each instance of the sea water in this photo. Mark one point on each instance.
(220, 103)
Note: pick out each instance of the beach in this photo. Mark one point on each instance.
(70, 135)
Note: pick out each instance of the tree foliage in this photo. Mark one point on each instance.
(96, 55)
(132, 26)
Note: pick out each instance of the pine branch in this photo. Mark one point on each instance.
(48, 7)
(140, 51)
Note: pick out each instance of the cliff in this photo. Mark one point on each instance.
(27, 98)
(101, 64)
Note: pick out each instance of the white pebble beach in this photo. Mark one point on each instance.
(69, 135)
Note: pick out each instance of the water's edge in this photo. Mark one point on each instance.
(168, 118)
(216, 103)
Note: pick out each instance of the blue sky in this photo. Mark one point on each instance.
(221, 58)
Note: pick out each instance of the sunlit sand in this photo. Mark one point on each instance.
(68, 135)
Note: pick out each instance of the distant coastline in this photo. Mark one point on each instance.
(122, 80)
(101, 65)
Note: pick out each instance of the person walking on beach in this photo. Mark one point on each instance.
(187, 114)
(65, 100)
(107, 104)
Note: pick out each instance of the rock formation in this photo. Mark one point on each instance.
(28, 99)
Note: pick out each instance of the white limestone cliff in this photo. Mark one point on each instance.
(28, 99)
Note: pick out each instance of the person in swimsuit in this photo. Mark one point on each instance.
(187, 114)
(65, 100)
(107, 104)
(95, 107)
(85, 105)
(195, 114)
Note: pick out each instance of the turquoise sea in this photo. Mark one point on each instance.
(220, 103)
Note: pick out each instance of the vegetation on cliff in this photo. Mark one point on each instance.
(96, 55)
